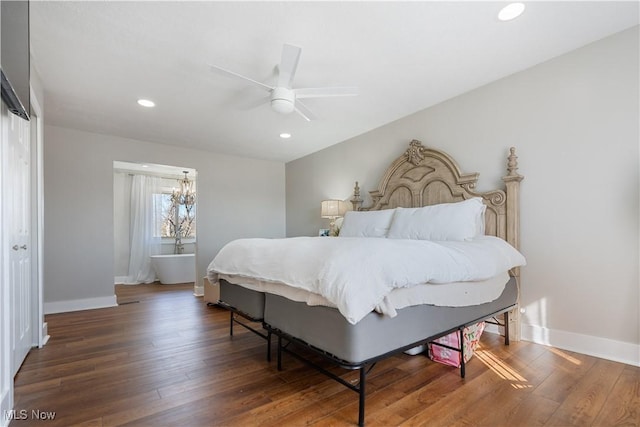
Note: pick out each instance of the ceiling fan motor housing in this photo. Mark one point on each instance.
(282, 100)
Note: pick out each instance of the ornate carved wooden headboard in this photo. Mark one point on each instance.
(425, 176)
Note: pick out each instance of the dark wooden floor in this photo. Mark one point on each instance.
(163, 358)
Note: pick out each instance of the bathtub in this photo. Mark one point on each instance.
(174, 268)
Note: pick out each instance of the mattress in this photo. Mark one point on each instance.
(357, 274)
(454, 294)
(376, 334)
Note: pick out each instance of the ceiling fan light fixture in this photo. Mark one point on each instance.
(282, 106)
(282, 100)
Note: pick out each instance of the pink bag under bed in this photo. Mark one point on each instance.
(471, 338)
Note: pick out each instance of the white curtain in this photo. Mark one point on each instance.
(144, 242)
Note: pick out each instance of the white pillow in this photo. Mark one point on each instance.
(366, 223)
(447, 221)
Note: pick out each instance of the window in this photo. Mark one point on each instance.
(171, 217)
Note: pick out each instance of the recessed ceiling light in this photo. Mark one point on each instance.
(146, 103)
(511, 11)
(285, 135)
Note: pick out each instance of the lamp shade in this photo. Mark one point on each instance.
(333, 208)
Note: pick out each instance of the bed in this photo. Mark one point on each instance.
(357, 334)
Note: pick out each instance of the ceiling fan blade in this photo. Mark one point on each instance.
(288, 65)
(227, 73)
(323, 92)
(304, 111)
(250, 105)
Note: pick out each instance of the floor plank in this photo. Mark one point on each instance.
(622, 406)
(164, 358)
(586, 401)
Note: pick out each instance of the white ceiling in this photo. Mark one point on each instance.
(97, 58)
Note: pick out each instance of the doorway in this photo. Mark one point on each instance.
(154, 215)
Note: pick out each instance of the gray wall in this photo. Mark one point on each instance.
(237, 197)
(574, 121)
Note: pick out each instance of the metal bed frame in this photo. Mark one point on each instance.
(235, 314)
(366, 366)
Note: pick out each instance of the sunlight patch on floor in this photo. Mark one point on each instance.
(502, 369)
(565, 356)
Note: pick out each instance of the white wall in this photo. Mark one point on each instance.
(121, 222)
(574, 121)
(237, 197)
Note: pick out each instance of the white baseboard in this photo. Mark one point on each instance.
(492, 329)
(79, 304)
(44, 334)
(198, 291)
(604, 348)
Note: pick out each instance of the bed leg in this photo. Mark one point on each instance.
(230, 323)
(361, 395)
(269, 345)
(279, 353)
(462, 364)
(506, 328)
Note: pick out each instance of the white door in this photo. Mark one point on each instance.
(6, 311)
(18, 192)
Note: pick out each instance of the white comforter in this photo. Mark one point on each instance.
(356, 274)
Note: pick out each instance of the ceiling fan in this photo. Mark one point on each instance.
(283, 97)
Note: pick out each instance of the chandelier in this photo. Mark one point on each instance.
(185, 194)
